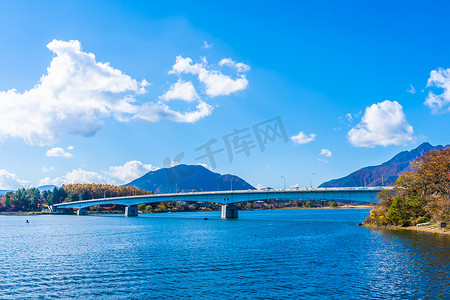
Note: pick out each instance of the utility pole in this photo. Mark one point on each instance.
(310, 179)
(284, 182)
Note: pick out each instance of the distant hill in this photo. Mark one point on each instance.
(387, 172)
(40, 188)
(2, 192)
(187, 178)
(46, 188)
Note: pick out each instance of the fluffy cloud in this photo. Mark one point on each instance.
(240, 67)
(73, 97)
(58, 152)
(302, 138)
(76, 176)
(383, 124)
(130, 171)
(156, 112)
(326, 153)
(78, 93)
(439, 103)
(9, 181)
(215, 83)
(183, 90)
(124, 174)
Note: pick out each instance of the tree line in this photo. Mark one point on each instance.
(33, 200)
(419, 196)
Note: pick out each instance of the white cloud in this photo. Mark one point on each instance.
(439, 103)
(183, 90)
(70, 148)
(206, 45)
(9, 181)
(302, 138)
(73, 97)
(78, 93)
(58, 152)
(156, 112)
(216, 83)
(411, 89)
(76, 176)
(326, 152)
(46, 169)
(383, 124)
(130, 171)
(124, 174)
(240, 67)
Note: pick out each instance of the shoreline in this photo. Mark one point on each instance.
(428, 229)
(327, 207)
(36, 213)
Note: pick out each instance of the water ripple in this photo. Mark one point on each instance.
(288, 254)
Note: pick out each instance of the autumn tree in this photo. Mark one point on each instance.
(419, 195)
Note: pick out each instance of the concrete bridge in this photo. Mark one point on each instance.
(228, 198)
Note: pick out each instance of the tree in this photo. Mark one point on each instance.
(420, 195)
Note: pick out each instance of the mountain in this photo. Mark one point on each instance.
(46, 188)
(40, 188)
(387, 172)
(187, 178)
(2, 192)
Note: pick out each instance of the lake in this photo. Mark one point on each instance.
(280, 254)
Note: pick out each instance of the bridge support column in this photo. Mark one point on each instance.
(131, 211)
(82, 212)
(229, 211)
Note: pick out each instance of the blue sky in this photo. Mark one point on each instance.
(104, 91)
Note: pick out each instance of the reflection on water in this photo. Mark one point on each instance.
(263, 255)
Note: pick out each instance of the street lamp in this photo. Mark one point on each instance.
(284, 182)
(104, 194)
(310, 179)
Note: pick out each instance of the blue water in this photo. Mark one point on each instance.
(282, 254)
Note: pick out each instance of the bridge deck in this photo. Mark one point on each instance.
(228, 197)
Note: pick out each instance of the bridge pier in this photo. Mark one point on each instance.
(131, 211)
(229, 211)
(82, 212)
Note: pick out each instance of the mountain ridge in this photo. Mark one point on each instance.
(385, 173)
(187, 178)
